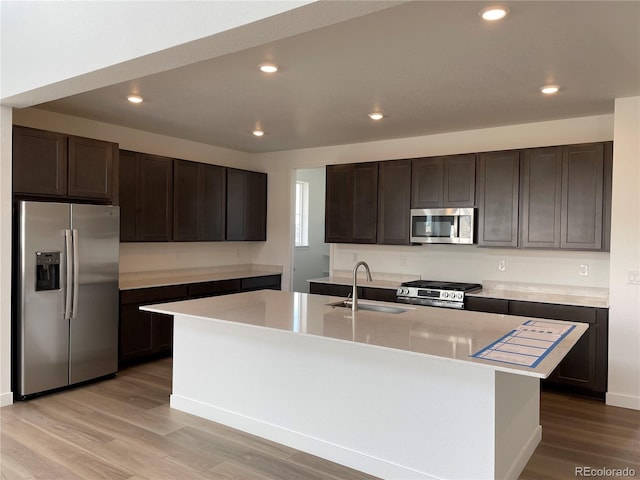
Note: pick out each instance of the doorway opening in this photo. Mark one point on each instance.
(311, 253)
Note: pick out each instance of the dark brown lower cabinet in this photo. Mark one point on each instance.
(584, 369)
(332, 289)
(146, 335)
(489, 305)
(215, 288)
(364, 293)
(267, 282)
(136, 337)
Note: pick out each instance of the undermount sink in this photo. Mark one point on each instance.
(369, 306)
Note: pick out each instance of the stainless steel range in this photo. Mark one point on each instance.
(435, 294)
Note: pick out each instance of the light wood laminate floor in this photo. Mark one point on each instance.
(124, 429)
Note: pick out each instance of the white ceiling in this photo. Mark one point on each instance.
(430, 66)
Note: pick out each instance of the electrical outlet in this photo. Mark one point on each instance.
(403, 260)
(634, 277)
(502, 265)
(355, 256)
(583, 271)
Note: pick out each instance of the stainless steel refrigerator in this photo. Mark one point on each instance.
(65, 295)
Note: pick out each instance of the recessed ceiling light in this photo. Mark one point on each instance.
(491, 14)
(258, 133)
(549, 89)
(268, 68)
(376, 116)
(135, 98)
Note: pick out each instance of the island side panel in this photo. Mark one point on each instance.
(386, 412)
(518, 429)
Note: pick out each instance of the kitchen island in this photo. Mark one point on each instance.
(395, 394)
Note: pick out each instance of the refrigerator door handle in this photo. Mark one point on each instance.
(68, 241)
(76, 274)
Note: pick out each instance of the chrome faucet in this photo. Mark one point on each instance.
(354, 297)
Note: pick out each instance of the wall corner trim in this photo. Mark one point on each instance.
(623, 401)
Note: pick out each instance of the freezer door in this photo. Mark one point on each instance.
(93, 349)
(42, 331)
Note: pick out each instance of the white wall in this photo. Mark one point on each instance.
(475, 264)
(146, 257)
(6, 193)
(51, 50)
(434, 261)
(93, 42)
(624, 314)
(312, 261)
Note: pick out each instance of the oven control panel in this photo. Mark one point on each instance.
(450, 295)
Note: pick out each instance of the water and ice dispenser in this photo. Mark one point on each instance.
(47, 271)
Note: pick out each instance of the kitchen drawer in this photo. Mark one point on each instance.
(220, 287)
(490, 305)
(378, 294)
(332, 289)
(569, 313)
(257, 283)
(154, 294)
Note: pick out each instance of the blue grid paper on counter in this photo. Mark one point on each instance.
(527, 345)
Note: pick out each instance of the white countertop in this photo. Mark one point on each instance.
(438, 332)
(545, 293)
(162, 278)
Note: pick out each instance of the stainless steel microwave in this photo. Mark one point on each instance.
(442, 225)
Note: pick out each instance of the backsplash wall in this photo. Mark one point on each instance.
(469, 263)
(144, 257)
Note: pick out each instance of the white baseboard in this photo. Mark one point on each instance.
(6, 399)
(624, 401)
(335, 453)
(525, 455)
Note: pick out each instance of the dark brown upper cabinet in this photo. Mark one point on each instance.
(338, 204)
(49, 164)
(497, 189)
(155, 198)
(607, 192)
(351, 213)
(39, 162)
(582, 196)
(566, 197)
(394, 199)
(199, 201)
(164, 199)
(246, 208)
(541, 195)
(128, 183)
(146, 197)
(91, 164)
(447, 181)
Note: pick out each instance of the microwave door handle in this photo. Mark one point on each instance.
(456, 226)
